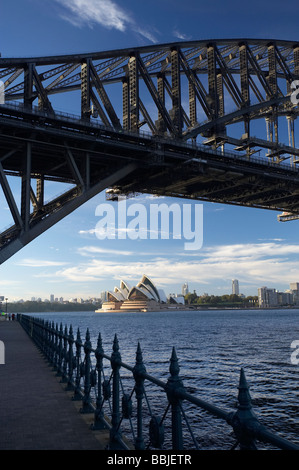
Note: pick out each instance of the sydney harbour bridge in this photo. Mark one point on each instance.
(203, 120)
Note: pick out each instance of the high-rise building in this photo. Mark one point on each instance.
(52, 298)
(294, 288)
(294, 285)
(235, 287)
(267, 297)
(185, 289)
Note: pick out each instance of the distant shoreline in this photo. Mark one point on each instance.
(95, 309)
(201, 309)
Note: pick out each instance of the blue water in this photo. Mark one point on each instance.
(211, 346)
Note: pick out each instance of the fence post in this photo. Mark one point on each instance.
(77, 392)
(70, 385)
(138, 370)
(56, 336)
(174, 384)
(244, 421)
(51, 343)
(64, 356)
(59, 363)
(86, 400)
(115, 432)
(47, 339)
(99, 414)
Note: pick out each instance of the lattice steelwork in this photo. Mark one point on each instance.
(197, 101)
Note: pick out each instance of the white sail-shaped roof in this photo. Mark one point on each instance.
(177, 300)
(140, 294)
(114, 296)
(145, 289)
(120, 294)
(125, 287)
(148, 289)
(149, 284)
(162, 295)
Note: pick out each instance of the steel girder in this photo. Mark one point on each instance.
(204, 92)
(183, 85)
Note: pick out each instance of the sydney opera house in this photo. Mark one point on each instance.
(143, 297)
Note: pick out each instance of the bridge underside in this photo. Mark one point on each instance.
(177, 157)
(128, 164)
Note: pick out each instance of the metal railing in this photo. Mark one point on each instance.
(81, 367)
(94, 124)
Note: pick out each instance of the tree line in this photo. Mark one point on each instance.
(36, 307)
(226, 300)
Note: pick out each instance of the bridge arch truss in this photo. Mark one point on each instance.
(174, 109)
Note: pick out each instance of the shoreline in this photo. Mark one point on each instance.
(199, 309)
(183, 309)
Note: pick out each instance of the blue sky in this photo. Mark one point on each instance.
(69, 260)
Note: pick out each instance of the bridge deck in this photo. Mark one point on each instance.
(36, 413)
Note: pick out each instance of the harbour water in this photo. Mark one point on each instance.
(211, 346)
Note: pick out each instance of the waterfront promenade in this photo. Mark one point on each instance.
(36, 413)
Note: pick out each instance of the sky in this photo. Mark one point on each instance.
(70, 260)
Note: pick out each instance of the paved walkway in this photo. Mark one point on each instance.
(36, 413)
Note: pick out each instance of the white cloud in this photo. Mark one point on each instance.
(95, 250)
(180, 35)
(37, 263)
(271, 264)
(106, 13)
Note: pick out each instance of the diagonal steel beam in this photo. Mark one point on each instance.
(158, 100)
(73, 166)
(61, 211)
(10, 199)
(104, 98)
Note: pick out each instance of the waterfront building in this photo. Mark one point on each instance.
(176, 299)
(294, 285)
(285, 298)
(235, 287)
(294, 288)
(267, 297)
(145, 296)
(104, 297)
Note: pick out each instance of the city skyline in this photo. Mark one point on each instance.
(235, 290)
(238, 243)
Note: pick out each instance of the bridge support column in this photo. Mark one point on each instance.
(85, 90)
(133, 95)
(28, 85)
(26, 187)
(176, 91)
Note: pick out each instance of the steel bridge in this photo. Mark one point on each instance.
(203, 120)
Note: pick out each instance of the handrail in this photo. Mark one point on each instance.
(82, 372)
(75, 119)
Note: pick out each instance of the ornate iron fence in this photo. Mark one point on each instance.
(100, 387)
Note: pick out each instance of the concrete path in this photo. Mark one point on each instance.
(36, 413)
